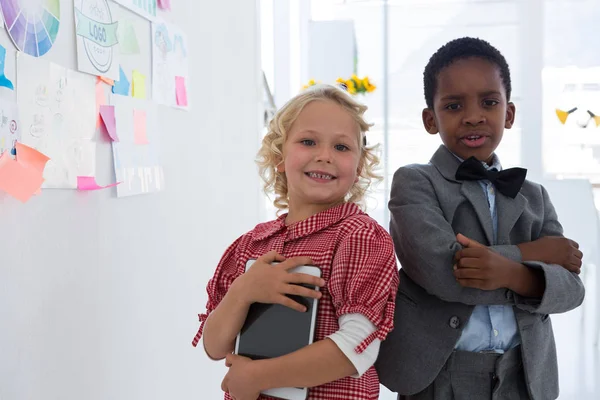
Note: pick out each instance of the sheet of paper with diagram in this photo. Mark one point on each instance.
(136, 153)
(10, 133)
(10, 127)
(57, 112)
(170, 75)
(96, 28)
(145, 8)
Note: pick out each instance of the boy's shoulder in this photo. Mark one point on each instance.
(430, 170)
(532, 189)
(415, 174)
(417, 166)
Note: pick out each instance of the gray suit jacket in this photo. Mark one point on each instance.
(428, 208)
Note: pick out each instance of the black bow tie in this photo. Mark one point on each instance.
(508, 181)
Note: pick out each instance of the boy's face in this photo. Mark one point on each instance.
(470, 109)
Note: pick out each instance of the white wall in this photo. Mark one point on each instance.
(99, 295)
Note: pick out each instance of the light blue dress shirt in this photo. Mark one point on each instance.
(490, 328)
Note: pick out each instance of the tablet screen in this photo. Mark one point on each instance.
(279, 330)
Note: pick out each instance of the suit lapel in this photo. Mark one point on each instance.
(474, 193)
(447, 164)
(508, 210)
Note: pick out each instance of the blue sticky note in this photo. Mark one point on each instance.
(122, 85)
(4, 81)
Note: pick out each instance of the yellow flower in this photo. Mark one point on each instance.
(355, 85)
(310, 83)
(351, 86)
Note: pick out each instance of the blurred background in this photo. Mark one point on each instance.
(552, 50)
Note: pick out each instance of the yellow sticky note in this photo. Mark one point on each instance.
(139, 85)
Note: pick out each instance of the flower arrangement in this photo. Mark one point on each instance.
(354, 85)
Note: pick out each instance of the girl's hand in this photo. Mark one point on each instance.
(266, 283)
(240, 381)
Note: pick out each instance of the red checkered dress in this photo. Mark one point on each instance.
(356, 257)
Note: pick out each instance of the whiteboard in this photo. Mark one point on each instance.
(99, 295)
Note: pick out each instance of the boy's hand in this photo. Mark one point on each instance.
(554, 250)
(466, 242)
(240, 382)
(479, 267)
(482, 268)
(266, 283)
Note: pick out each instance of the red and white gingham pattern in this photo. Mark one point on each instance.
(356, 257)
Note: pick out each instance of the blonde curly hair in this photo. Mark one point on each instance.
(271, 151)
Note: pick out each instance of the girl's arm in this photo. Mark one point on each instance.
(311, 366)
(329, 365)
(224, 324)
(263, 283)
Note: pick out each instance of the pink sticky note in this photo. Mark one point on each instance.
(139, 127)
(100, 100)
(164, 4)
(181, 91)
(18, 180)
(108, 117)
(89, 183)
(29, 157)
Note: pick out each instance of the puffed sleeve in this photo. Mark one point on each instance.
(364, 278)
(227, 271)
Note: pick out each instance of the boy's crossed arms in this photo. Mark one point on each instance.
(477, 266)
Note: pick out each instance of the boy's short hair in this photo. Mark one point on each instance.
(460, 49)
(271, 151)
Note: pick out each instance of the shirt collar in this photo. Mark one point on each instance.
(314, 223)
(495, 162)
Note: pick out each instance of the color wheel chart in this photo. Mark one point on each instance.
(32, 24)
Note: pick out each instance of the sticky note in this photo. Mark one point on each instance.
(107, 113)
(30, 157)
(164, 4)
(181, 91)
(108, 81)
(128, 43)
(138, 89)
(4, 81)
(17, 179)
(89, 183)
(139, 127)
(122, 85)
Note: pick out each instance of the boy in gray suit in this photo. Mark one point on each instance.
(483, 257)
